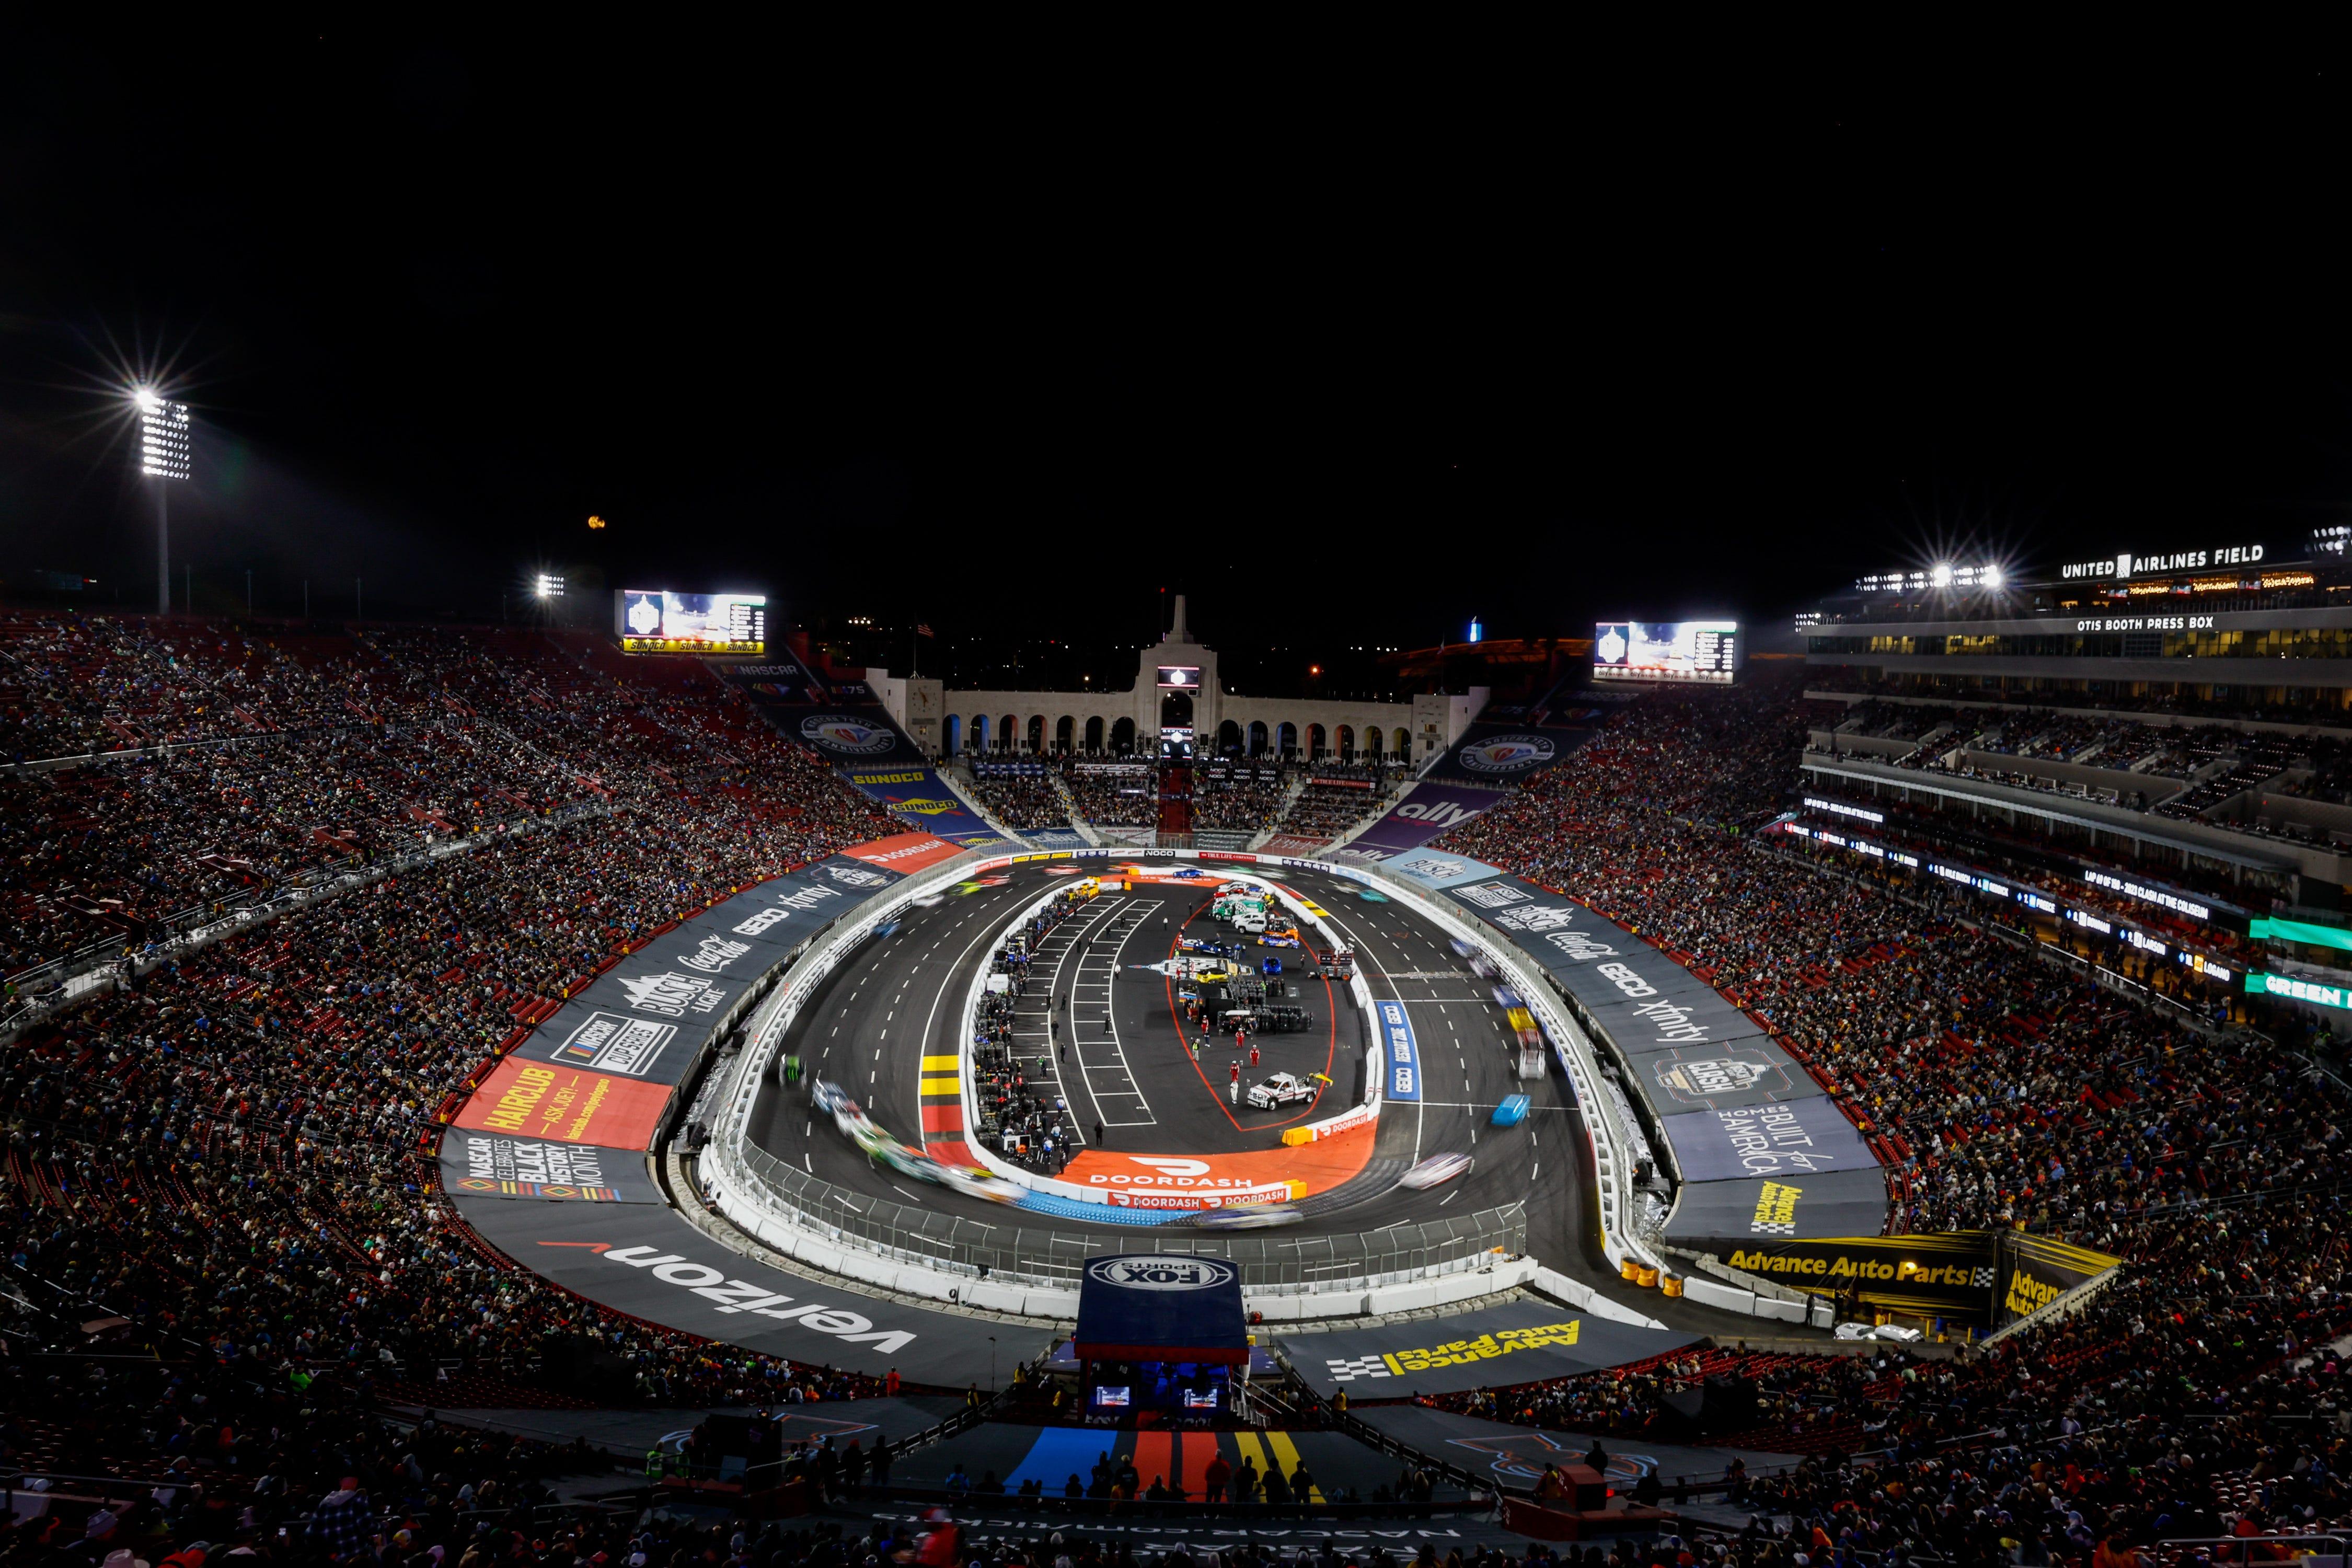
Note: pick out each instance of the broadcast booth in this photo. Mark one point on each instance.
(1160, 1338)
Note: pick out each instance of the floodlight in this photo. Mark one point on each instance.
(1990, 577)
(1940, 574)
(165, 452)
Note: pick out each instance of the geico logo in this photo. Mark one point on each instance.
(736, 1296)
(1628, 982)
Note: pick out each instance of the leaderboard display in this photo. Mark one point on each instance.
(654, 620)
(1703, 651)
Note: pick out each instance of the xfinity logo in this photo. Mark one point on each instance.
(1625, 980)
(734, 1296)
(1670, 1023)
(781, 911)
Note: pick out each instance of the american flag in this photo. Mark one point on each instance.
(923, 630)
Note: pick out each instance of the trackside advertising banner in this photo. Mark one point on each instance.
(1524, 1342)
(914, 791)
(1950, 1276)
(1840, 1203)
(1498, 755)
(2035, 1270)
(1429, 809)
(599, 1073)
(1403, 1053)
(496, 1164)
(1719, 1077)
(1748, 1128)
(645, 1260)
(1790, 1141)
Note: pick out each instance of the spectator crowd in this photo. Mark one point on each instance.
(226, 1158)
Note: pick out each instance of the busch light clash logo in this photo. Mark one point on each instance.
(856, 876)
(1697, 1081)
(1162, 1273)
(845, 736)
(672, 996)
(1507, 754)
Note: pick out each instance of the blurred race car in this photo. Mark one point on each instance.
(1435, 1171)
(1522, 1026)
(1247, 1216)
(1282, 1088)
(978, 1183)
(1506, 997)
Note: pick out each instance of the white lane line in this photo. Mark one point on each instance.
(932, 1022)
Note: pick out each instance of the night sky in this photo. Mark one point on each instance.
(1350, 349)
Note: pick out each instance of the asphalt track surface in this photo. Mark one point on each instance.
(900, 999)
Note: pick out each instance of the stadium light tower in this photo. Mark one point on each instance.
(164, 455)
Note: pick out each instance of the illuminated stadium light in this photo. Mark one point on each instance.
(548, 586)
(1990, 577)
(166, 452)
(1940, 574)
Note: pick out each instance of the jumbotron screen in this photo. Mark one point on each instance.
(1666, 650)
(651, 620)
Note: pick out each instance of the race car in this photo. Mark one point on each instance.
(1506, 997)
(1282, 1088)
(1214, 949)
(978, 1183)
(1435, 1171)
(1522, 1026)
(1247, 1216)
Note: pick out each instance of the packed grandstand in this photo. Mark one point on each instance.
(278, 893)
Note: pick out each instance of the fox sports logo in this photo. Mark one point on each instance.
(1162, 1273)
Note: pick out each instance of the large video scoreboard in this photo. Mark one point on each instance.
(1706, 651)
(652, 620)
